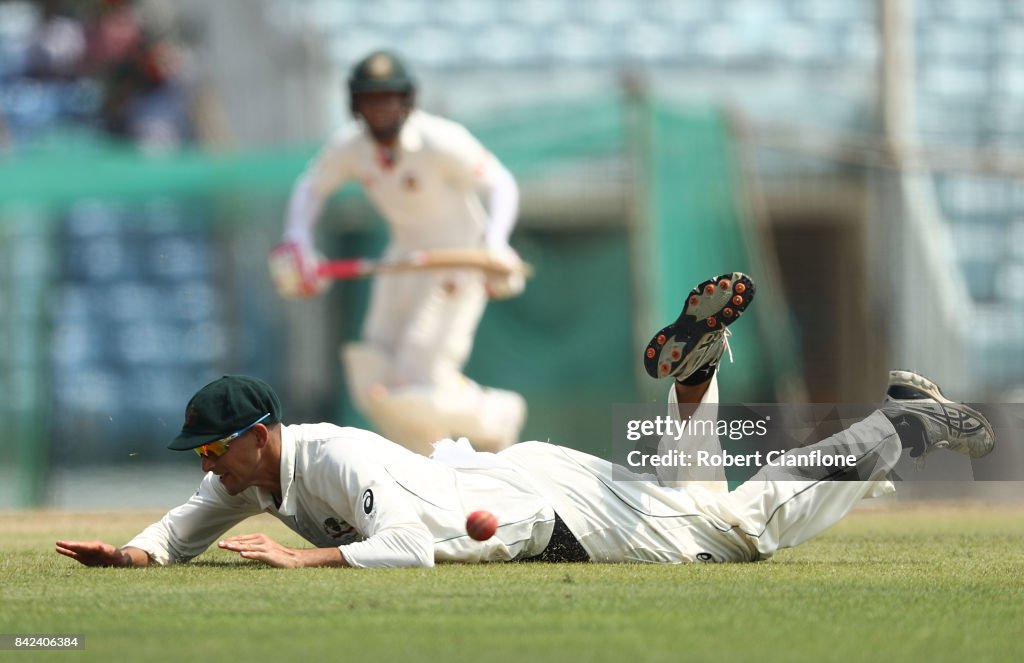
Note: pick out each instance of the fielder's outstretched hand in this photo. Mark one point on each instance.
(94, 553)
(264, 549)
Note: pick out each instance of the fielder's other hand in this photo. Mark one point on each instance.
(94, 553)
(293, 269)
(513, 281)
(264, 549)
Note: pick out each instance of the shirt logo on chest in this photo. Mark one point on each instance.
(410, 183)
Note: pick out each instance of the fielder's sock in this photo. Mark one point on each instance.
(700, 376)
(911, 432)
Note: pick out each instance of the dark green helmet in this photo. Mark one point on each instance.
(380, 71)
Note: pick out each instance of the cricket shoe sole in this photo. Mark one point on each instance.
(699, 335)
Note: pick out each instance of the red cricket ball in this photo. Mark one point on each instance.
(481, 525)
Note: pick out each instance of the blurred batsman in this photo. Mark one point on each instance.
(428, 177)
(363, 501)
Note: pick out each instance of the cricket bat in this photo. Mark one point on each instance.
(354, 268)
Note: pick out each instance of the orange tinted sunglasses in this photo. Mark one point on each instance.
(218, 448)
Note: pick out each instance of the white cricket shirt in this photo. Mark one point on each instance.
(382, 504)
(429, 195)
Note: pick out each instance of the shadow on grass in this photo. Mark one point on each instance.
(246, 565)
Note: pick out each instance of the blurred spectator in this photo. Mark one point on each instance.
(147, 99)
(116, 66)
(113, 35)
(57, 45)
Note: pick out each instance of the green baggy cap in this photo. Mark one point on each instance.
(223, 407)
(380, 71)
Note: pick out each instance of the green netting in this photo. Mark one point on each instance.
(696, 229)
(567, 343)
(110, 172)
(529, 142)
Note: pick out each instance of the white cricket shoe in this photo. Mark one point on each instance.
(907, 385)
(699, 336)
(943, 424)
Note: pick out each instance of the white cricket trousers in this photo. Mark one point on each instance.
(782, 507)
(618, 519)
(406, 376)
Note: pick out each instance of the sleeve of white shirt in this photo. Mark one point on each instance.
(186, 531)
(502, 206)
(361, 491)
(470, 165)
(326, 173)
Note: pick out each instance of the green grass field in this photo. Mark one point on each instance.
(898, 583)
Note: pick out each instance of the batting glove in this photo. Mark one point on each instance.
(508, 284)
(293, 269)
